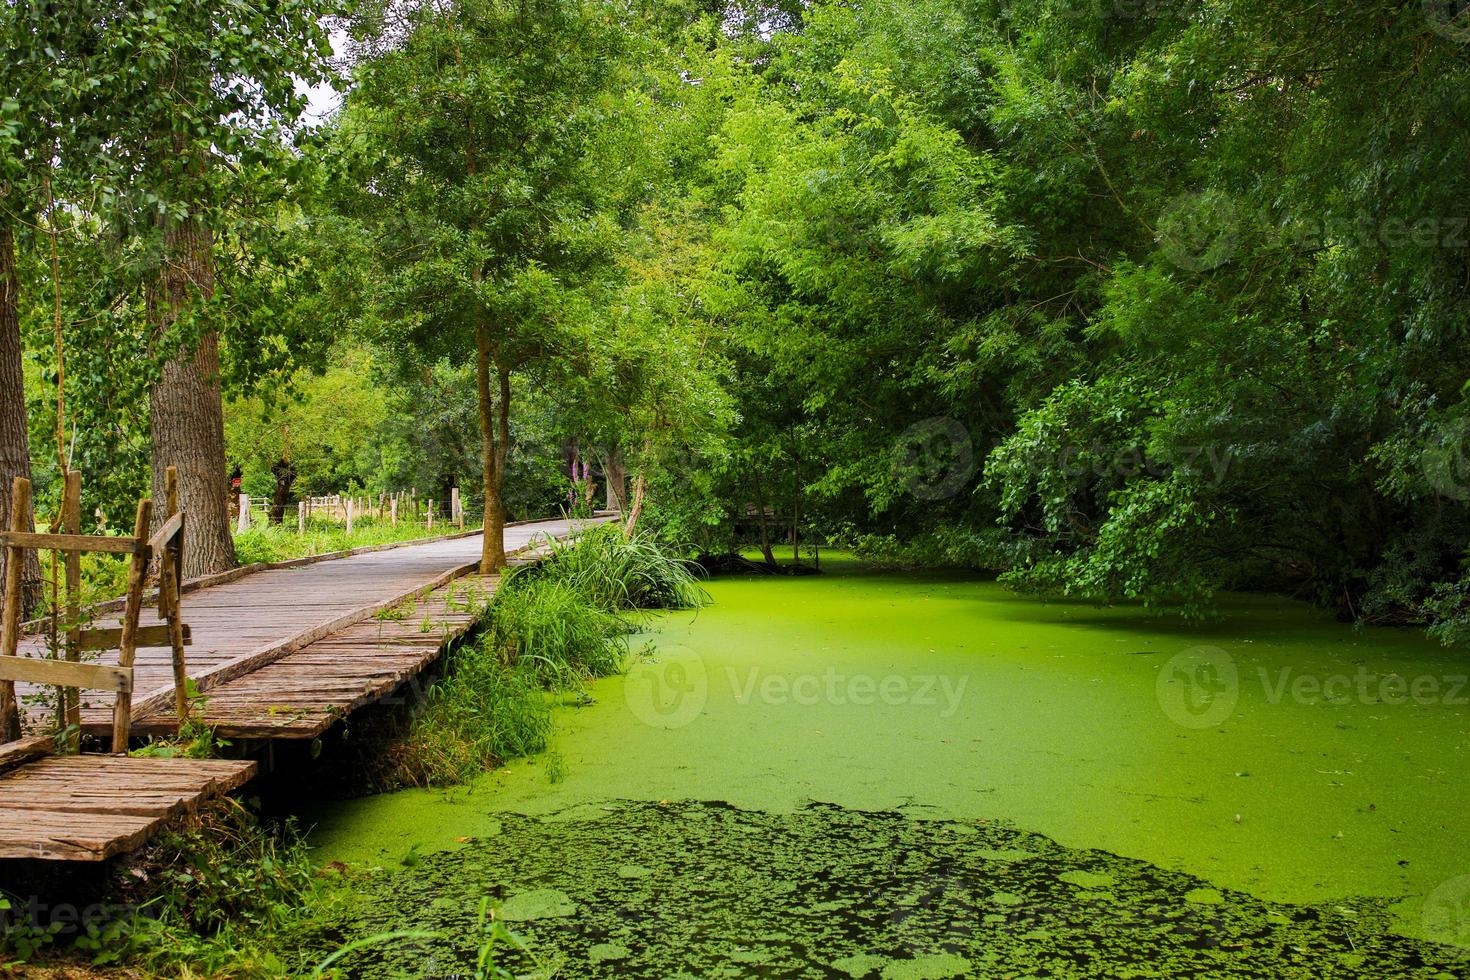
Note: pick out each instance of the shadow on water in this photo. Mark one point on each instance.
(707, 890)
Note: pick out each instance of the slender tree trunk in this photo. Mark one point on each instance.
(285, 473)
(185, 408)
(616, 476)
(15, 447)
(640, 490)
(765, 526)
(494, 442)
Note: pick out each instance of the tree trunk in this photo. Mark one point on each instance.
(285, 474)
(185, 409)
(494, 442)
(15, 446)
(616, 477)
(765, 526)
(640, 489)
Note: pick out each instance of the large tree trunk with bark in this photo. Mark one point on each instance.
(15, 447)
(494, 447)
(185, 407)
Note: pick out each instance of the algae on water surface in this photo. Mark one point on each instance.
(947, 697)
(827, 892)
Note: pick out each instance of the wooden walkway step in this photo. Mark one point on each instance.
(304, 693)
(91, 807)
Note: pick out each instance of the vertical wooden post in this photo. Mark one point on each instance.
(122, 714)
(170, 580)
(393, 510)
(243, 524)
(71, 697)
(301, 516)
(431, 515)
(349, 515)
(20, 512)
(456, 509)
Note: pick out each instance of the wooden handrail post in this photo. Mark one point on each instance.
(122, 714)
(169, 589)
(20, 509)
(243, 524)
(71, 698)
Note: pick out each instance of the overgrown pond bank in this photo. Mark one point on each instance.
(1175, 780)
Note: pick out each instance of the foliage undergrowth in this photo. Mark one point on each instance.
(281, 542)
(549, 630)
(212, 897)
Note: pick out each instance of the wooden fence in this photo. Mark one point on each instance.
(346, 509)
(68, 672)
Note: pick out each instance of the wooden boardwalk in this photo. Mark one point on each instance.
(280, 653)
(238, 626)
(91, 807)
(304, 693)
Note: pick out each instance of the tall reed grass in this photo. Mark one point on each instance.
(549, 630)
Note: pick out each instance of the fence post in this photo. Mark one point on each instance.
(431, 515)
(393, 509)
(243, 524)
(71, 699)
(349, 515)
(20, 509)
(301, 516)
(455, 514)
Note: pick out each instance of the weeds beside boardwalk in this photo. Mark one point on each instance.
(550, 628)
(283, 542)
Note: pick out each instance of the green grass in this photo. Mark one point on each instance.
(549, 630)
(281, 542)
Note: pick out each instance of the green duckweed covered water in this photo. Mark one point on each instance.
(1285, 784)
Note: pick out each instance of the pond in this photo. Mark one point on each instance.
(882, 774)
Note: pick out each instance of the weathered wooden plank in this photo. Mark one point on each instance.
(73, 542)
(89, 808)
(110, 637)
(24, 750)
(64, 673)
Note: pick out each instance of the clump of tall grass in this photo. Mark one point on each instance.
(549, 629)
(482, 713)
(614, 573)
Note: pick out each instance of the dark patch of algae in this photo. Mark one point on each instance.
(709, 890)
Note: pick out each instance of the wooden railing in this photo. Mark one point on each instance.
(71, 674)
